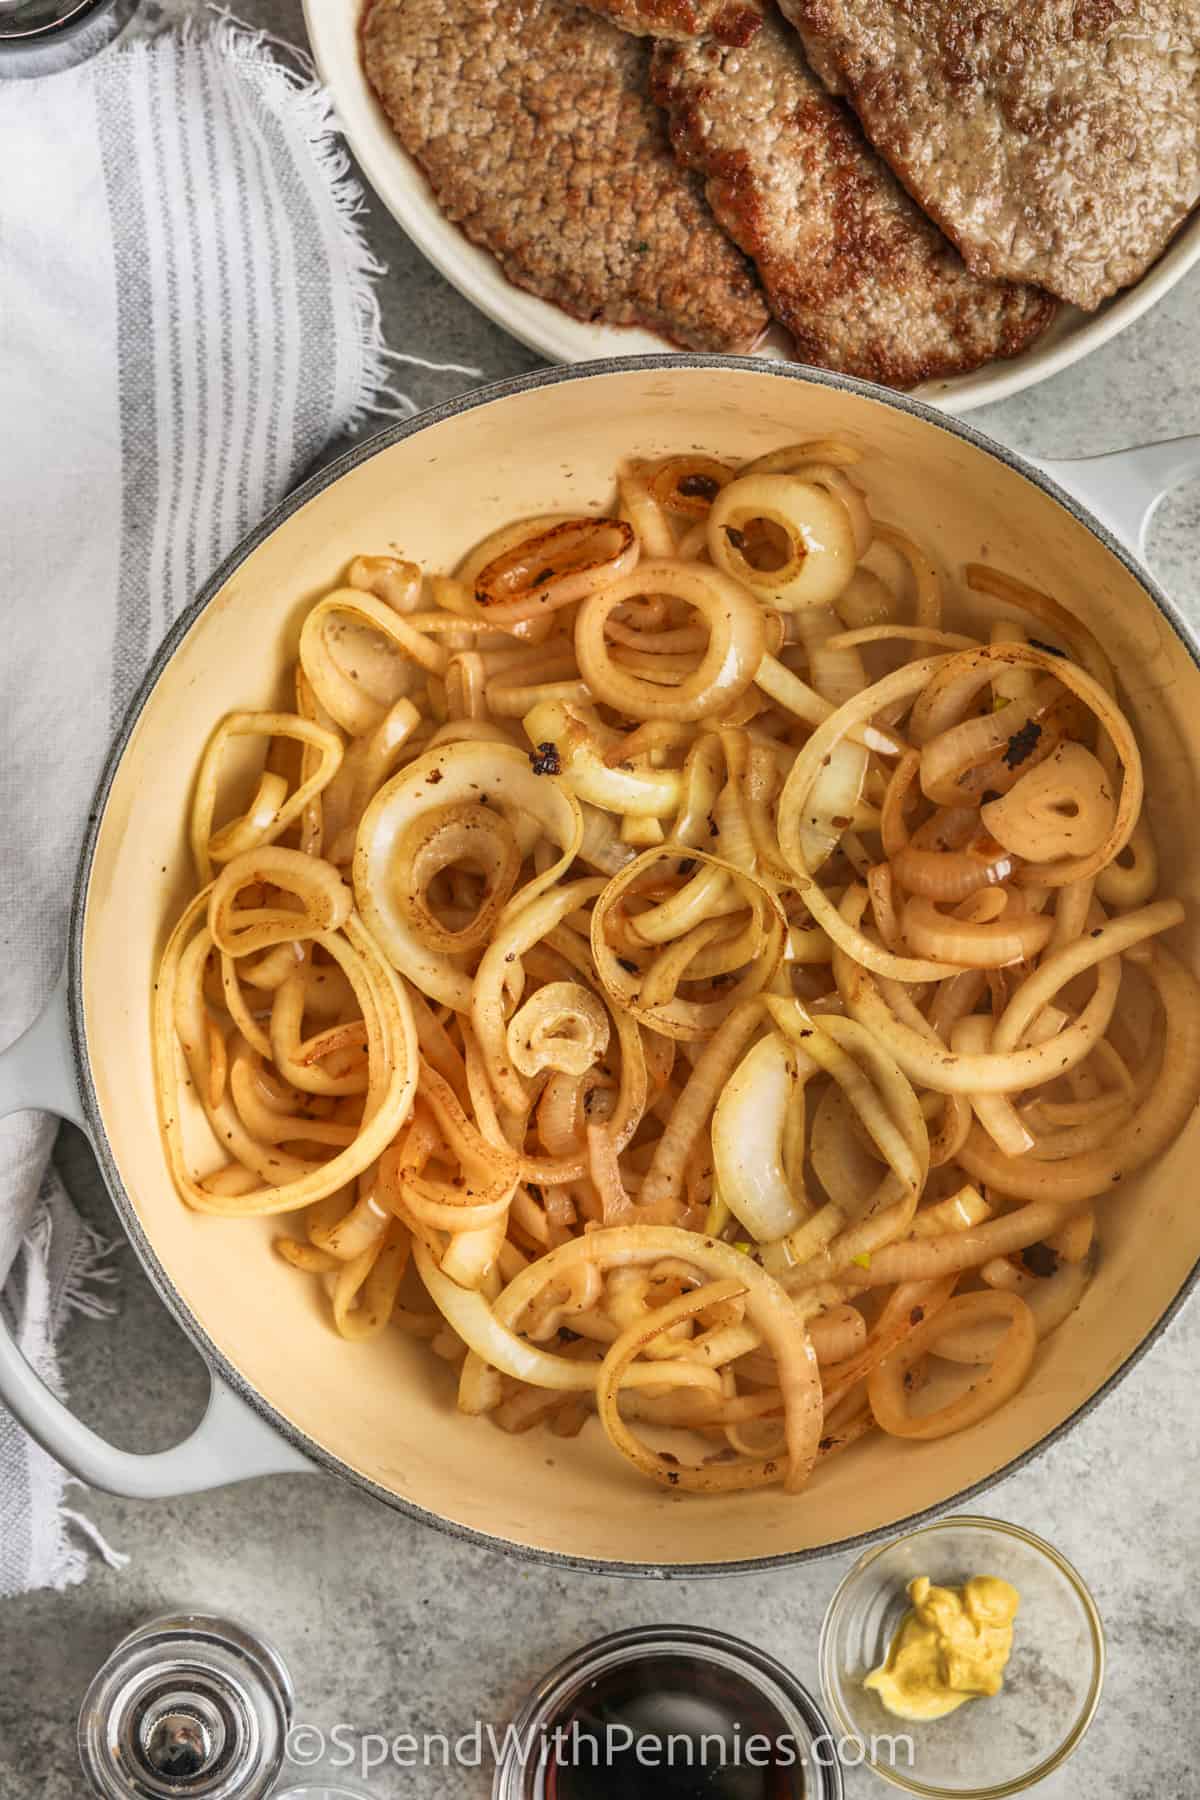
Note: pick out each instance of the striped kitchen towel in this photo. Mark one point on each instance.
(187, 316)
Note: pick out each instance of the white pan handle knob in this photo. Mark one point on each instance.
(1124, 487)
(231, 1443)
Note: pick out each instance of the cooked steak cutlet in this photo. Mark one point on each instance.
(729, 21)
(1055, 141)
(533, 122)
(859, 276)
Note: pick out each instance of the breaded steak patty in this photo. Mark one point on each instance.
(1056, 141)
(855, 271)
(729, 21)
(533, 122)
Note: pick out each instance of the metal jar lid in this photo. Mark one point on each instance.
(46, 37)
(187, 1707)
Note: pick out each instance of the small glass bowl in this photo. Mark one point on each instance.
(674, 1672)
(990, 1747)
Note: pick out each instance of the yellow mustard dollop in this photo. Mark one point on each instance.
(952, 1646)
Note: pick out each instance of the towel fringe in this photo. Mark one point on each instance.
(312, 108)
(59, 1559)
(90, 1267)
(116, 1559)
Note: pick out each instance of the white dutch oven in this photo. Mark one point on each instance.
(287, 1393)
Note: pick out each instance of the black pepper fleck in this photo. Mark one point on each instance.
(545, 760)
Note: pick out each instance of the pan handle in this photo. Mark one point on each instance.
(231, 1443)
(1125, 487)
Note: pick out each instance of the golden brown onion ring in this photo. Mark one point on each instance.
(736, 642)
(462, 773)
(820, 551)
(555, 568)
(1011, 1362)
(1062, 807)
(681, 1017)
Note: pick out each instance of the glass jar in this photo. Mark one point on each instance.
(187, 1707)
(664, 1711)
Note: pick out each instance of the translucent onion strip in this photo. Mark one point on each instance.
(771, 1313)
(1158, 1120)
(392, 1060)
(263, 823)
(886, 1385)
(342, 695)
(747, 1139)
(562, 1026)
(677, 1016)
(982, 664)
(1063, 807)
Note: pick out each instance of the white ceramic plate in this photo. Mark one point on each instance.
(333, 32)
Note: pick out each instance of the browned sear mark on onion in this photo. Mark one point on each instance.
(1022, 743)
(688, 485)
(698, 487)
(555, 567)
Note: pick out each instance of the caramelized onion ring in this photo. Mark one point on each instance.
(555, 568)
(820, 552)
(736, 642)
(454, 774)
(1010, 1365)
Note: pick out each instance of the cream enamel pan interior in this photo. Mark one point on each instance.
(383, 1412)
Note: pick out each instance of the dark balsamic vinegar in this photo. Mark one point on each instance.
(696, 1721)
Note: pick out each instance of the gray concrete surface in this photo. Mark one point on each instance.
(390, 1627)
